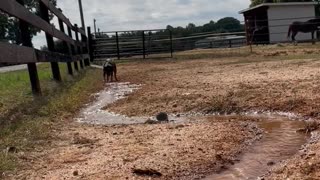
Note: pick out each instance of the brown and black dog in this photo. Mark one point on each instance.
(110, 69)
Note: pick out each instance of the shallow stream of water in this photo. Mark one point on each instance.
(279, 142)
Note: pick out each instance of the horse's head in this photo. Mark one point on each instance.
(315, 21)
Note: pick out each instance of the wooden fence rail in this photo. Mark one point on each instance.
(26, 54)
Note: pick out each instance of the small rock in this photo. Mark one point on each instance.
(150, 121)
(75, 173)
(271, 163)
(12, 150)
(146, 172)
(179, 126)
(302, 130)
(162, 117)
(175, 105)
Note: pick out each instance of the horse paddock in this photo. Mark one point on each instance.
(282, 80)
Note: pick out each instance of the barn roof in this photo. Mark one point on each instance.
(277, 4)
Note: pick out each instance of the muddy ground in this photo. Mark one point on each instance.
(273, 78)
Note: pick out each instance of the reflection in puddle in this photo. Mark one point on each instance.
(279, 142)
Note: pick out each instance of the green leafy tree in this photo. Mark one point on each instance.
(9, 26)
(229, 24)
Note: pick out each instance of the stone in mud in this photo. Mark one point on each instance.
(150, 121)
(12, 150)
(271, 163)
(75, 173)
(147, 172)
(162, 117)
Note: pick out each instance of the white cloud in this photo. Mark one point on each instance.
(149, 14)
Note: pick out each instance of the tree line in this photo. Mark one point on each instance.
(257, 2)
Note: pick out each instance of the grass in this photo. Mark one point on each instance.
(27, 122)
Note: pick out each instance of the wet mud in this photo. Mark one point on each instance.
(279, 142)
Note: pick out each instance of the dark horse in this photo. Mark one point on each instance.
(305, 27)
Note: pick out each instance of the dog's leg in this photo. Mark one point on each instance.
(111, 77)
(115, 72)
(104, 76)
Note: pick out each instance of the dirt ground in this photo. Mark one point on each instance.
(177, 151)
(273, 78)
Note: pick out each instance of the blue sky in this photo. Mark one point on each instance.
(148, 14)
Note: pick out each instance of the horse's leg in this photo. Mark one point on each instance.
(312, 34)
(293, 36)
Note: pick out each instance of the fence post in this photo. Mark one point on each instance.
(230, 44)
(73, 51)
(44, 13)
(90, 43)
(118, 48)
(79, 49)
(85, 49)
(171, 43)
(65, 45)
(143, 45)
(32, 67)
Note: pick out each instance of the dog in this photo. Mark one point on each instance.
(110, 69)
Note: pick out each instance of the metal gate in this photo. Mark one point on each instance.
(132, 44)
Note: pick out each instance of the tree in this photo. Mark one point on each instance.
(229, 24)
(9, 26)
(3, 27)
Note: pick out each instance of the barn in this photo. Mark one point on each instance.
(269, 22)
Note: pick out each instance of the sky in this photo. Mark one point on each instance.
(119, 15)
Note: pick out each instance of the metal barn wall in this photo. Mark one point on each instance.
(279, 28)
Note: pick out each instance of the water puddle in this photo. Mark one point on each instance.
(279, 142)
(95, 114)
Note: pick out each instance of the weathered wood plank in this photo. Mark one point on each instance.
(11, 53)
(16, 54)
(15, 9)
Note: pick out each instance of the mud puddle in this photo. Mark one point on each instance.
(279, 142)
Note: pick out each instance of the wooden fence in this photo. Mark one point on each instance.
(25, 54)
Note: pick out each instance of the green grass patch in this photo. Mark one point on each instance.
(27, 122)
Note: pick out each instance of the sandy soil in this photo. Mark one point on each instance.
(285, 80)
(177, 151)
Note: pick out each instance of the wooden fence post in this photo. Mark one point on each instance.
(143, 45)
(118, 46)
(73, 51)
(90, 44)
(79, 49)
(65, 45)
(54, 65)
(32, 67)
(85, 49)
(171, 44)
